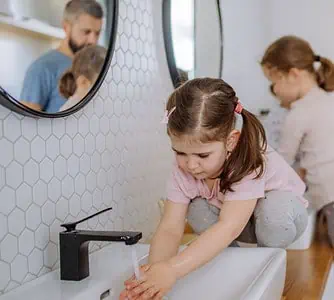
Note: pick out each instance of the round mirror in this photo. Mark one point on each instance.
(56, 53)
(193, 36)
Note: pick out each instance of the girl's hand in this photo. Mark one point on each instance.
(125, 293)
(154, 284)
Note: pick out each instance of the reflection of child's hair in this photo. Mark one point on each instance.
(87, 62)
(205, 112)
(292, 52)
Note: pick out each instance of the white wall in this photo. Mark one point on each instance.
(311, 20)
(246, 30)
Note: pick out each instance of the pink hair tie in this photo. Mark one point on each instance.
(238, 109)
(167, 114)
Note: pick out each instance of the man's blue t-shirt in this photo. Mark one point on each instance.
(41, 81)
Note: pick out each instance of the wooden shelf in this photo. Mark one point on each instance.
(34, 26)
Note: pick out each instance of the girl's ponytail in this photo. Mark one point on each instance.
(67, 84)
(248, 154)
(325, 74)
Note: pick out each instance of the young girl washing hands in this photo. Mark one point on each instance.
(225, 182)
(302, 81)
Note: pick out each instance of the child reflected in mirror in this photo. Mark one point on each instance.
(77, 81)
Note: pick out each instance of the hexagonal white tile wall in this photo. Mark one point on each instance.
(38, 149)
(73, 164)
(7, 204)
(48, 213)
(12, 128)
(50, 255)
(26, 242)
(22, 150)
(33, 217)
(4, 275)
(55, 228)
(64, 169)
(78, 145)
(19, 268)
(31, 172)
(7, 152)
(42, 236)
(16, 222)
(40, 193)
(54, 189)
(8, 248)
(60, 166)
(14, 175)
(2, 177)
(24, 196)
(52, 147)
(66, 146)
(71, 126)
(62, 209)
(75, 206)
(46, 169)
(67, 186)
(3, 226)
(35, 261)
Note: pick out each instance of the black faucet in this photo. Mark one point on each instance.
(74, 258)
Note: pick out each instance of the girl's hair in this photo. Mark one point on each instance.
(87, 62)
(292, 52)
(204, 110)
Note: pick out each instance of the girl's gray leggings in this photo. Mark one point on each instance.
(277, 221)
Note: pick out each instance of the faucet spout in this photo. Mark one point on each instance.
(74, 256)
(128, 237)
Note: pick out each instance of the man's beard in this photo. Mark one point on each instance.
(74, 46)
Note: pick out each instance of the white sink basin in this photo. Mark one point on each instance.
(237, 273)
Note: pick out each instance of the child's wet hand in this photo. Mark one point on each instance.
(129, 284)
(154, 284)
(123, 295)
(142, 270)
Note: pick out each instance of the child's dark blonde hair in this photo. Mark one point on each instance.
(293, 52)
(204, 110)
(87, 62)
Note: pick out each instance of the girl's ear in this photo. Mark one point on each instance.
(83, 81)
(294, 73)
(67, 26)
(232, 140)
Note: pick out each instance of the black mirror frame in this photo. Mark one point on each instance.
(11, 103)
(167, 33)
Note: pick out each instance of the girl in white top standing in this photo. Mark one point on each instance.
(303, 88)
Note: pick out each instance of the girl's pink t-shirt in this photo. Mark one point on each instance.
(182, 187)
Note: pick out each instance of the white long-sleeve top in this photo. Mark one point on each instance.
(308, 130)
